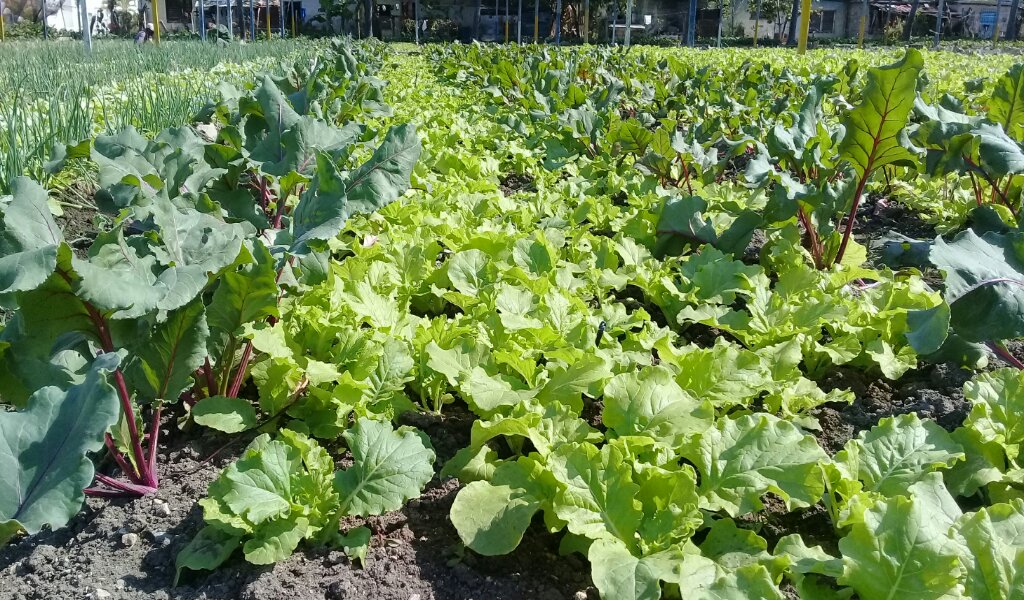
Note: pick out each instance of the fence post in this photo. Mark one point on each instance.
(691, 24)
(536, 20)
(156, 21)
(519, 24)
(416, 18)
(86, 30)
(268, 16)
(805, 25)
(938, 23)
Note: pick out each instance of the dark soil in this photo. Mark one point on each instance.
(126, 548)
(879, 216)
(934, 391)
(514, 183)
(79, 228)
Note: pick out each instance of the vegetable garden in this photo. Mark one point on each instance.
(527, 322)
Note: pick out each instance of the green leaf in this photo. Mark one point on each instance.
(897, 453)
(385, 176)
(742, 459)
(258, 487)
(163, 365)
(276, 541)
(984, 285)
(29, 238)
(356, 543)
(389, 468)
(997, 412)
(873, 128)
(704, 579)
(597, 496)
(230, 415)
(44, 463)
(618, 574)
(651, 403)
(492, 516)
(207, 551)
(1006, 106)
(901, 549)
(246, 295)
(992, 542)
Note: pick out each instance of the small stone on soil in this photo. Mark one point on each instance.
(100, 594)
(129, 539)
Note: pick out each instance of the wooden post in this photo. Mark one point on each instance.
(284, 27)
(268, 16)
(2, 33)
(252, 20)
(629, 22)
(865, 19)
(995, 34)
(536, 20)
(42, 13)
(231, 20)
(558, 22)
(938, 23)
(506, 21)
(156, 21)
(294, 33)
(805, 25)
(586, 21)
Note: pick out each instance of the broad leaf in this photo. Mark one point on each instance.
(44, 450)
(389, 468)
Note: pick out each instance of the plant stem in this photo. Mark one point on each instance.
(119, 458)
(211, 380)
(236, 385)
(1001, 351)
(852, 217)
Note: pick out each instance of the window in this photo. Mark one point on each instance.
(823, 21)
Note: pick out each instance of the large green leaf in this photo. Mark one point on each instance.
(897, 453)
(492, 516)
(618, 574)
(385, 176)
(597, 495)
(997, 411)
(902, 549)
(163, 365)
(984, 285)
(44, 463)
(29, 238)
(992, 542)
(245, 295)
(742, 459)
(873, 128)
(1006, 105)
(389, 468)
(651, 403)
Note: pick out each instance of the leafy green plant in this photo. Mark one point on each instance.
(285, 490)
